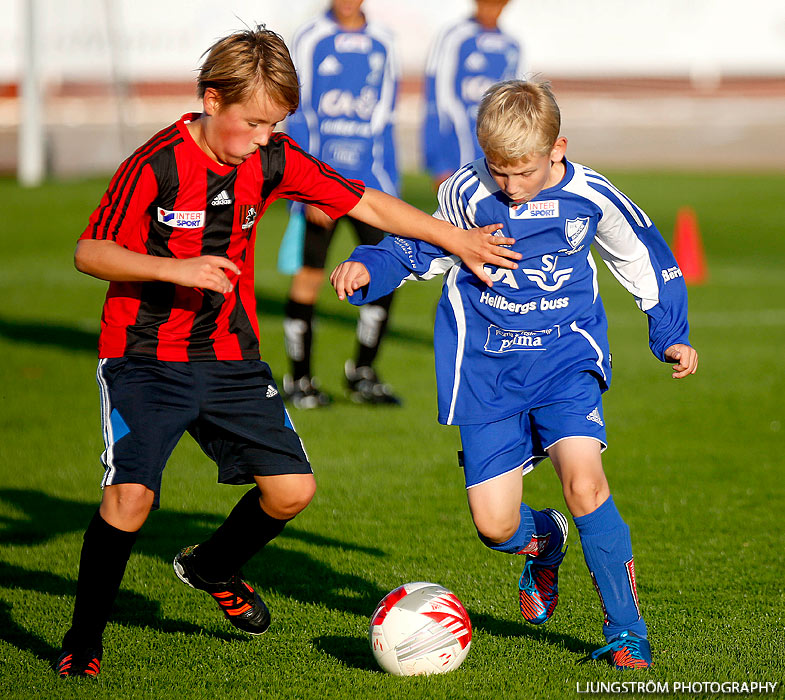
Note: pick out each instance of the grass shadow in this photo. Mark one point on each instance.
(510, 628)
(352, 652)
(49, 334)
(293, 574)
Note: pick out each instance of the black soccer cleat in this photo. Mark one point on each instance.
(304, 392)
(74, 663)
(240, 603)
(364, 386)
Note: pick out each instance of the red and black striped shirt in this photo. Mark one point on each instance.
(170, 199)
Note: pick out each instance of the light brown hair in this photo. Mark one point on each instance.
(237, 65)
(517, 120)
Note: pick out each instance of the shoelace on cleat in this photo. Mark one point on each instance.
(628, 643)
(234, 601)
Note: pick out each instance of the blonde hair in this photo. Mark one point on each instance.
(238, 64)
(517, 120)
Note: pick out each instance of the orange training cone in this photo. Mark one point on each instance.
(688, 247)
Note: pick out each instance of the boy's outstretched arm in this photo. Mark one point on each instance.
(348, 277)
(476, 247)
(685, 357)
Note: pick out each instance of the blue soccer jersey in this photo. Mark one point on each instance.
(499, 349)
(348, 85)
(464, 61)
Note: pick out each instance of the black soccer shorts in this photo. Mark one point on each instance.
(231, 408)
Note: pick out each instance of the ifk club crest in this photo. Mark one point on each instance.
(575, 230)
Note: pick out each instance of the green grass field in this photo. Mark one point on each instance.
(696, 468)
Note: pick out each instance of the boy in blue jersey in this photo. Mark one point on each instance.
(464, 61)
(348, 83)
(521, 368)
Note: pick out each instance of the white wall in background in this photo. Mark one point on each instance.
(160, 39)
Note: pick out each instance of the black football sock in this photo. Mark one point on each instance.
(370, 330)
(105, 554)
(298, 337)
(245, 531)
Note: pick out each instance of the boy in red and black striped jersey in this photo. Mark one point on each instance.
(179, 346)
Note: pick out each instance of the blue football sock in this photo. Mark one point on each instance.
(537, 535)
(607, 549)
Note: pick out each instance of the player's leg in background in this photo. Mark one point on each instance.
(605, 537)
(362, 380)
(299, 386)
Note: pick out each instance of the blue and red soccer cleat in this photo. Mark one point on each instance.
(539, 584)
(628, 651)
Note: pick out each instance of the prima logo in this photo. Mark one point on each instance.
(500, 340)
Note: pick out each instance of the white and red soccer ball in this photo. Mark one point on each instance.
(418, 629)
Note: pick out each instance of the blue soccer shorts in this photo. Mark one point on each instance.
(571, 409)
(232, 409)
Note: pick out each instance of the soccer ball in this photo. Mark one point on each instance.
(418, 629)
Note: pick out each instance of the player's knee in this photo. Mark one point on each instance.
(284, 504)
(585, 494)
(126, 506)
(493, 530)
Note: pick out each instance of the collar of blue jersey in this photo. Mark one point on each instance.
(495, 30)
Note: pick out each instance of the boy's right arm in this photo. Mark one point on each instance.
(112, 262)
(477, 247)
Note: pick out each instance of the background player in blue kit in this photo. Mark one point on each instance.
(348, 85)
(521, 368)
(464, 61)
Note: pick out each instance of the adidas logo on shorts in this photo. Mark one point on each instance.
(221, 199)
(595, 417)
(271, 391)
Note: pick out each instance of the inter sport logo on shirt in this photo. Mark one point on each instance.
(181, 219)
(548, 209)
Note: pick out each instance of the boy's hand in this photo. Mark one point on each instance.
(686, 359)
(478, 247)
(348, 277)
(204, 272)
